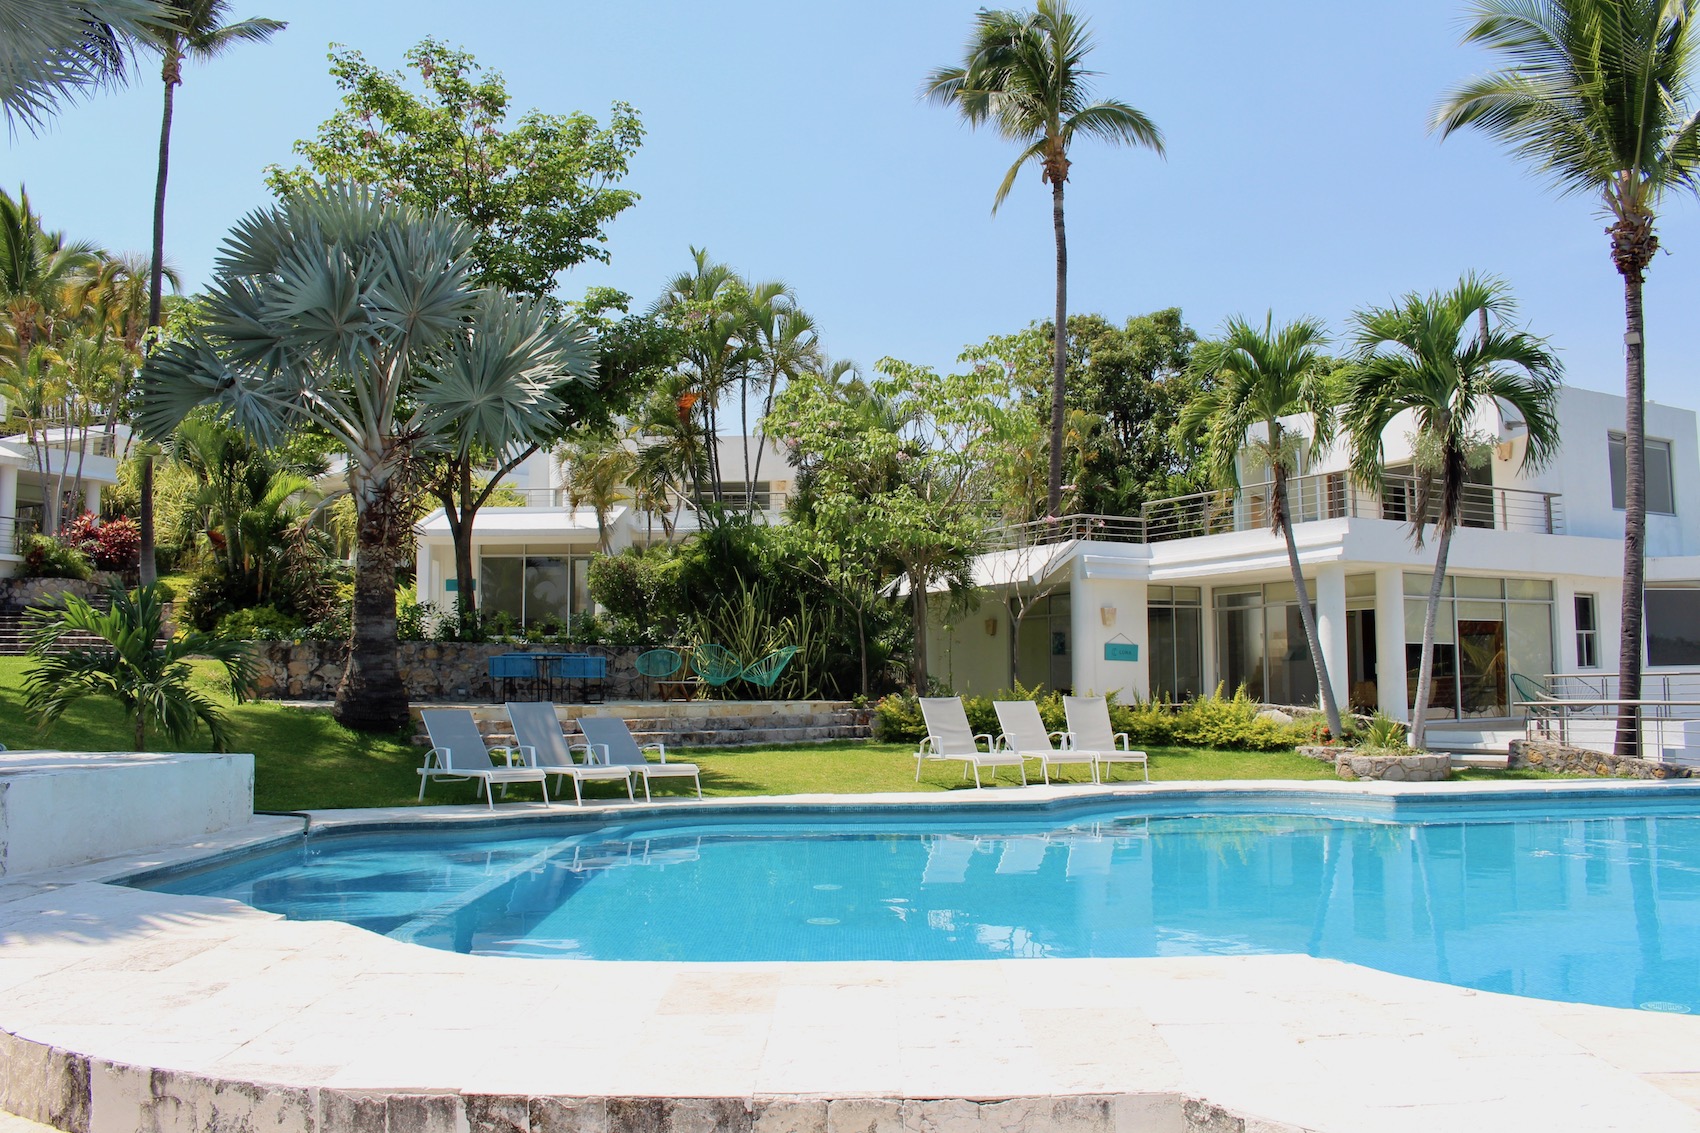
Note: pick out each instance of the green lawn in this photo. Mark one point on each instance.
(305, 760)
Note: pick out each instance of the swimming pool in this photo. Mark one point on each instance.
(1589, 897)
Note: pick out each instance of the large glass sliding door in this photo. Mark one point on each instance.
(1486, 630)
(533, 587)
(1175, 631)
(1261, 641)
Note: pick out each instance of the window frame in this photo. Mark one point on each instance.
(1617, 456)
(1587, 638)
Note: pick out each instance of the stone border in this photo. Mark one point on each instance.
(79, 1094)
(1350, 764)
(1544, 755)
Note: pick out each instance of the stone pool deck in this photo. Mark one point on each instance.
(126, 1010)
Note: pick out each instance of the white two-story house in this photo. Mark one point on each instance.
(76, 465)
(1197, 592)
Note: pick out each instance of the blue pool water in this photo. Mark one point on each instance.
(1584, 899)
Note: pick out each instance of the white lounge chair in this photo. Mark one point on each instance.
(1024, 733)
(538, 733)
(950, 738)
(1089, 731)
(459, 752)
(612, 744)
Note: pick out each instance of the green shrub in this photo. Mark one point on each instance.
(1383, 735)
(47, 557)
(897, 719)
(258, 623)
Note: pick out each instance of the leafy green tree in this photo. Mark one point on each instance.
(1599, 97)
(145, 671)
(52, 51)
(537, 192)
(188, 30)
(897, 467)
(341, 310)
(1025, 73)
(1256, 377)
(1127, 385)
(1420, 356)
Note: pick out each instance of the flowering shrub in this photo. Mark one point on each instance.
(116, 545)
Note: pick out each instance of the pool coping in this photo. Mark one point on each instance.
(244, 1015)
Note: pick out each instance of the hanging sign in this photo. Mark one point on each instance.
(1122, 650)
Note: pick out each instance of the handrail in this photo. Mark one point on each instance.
(1567, 721)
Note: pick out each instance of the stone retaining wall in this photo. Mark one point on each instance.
(1545, 755)
(18, 594)
(1422, 767)
(436, 671)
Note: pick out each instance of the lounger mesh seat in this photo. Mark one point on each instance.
(537, 730)
(611, 743)
(1024, 733)
(1089, 731)
(950, 738)
(459, 752)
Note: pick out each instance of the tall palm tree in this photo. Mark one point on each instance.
(339, 309)
(144, 669)
(787, 343)
(1420, 355)
(599, 470)
(1025, 73)
(51, 51)
(196, 30)
(1598, 97)
(1256, 376)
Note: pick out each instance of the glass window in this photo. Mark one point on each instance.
(501, 585)
(1281, 592)
(1163, 594)
(1673, 627)
(1529, 649)
(1479, 588)
(1239, 649)
(546, 589)
(1530, 589)
(1360, 586)
(1174, 630)
(1188, 595)
(1417, 584)
(1587, 632)
(1661, 492)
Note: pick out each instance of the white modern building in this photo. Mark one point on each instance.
(532, 561)
(77, 465)
(1197, 592)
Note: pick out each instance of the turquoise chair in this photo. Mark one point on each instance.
(765, 673)
(659, 664)
(716, 665)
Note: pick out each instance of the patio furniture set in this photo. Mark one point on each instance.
(676, 674)
(1090, 741)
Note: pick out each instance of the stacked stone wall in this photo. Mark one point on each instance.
(432, 671)
(1545, 755)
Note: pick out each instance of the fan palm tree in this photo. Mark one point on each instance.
(341, 309)
(146, 671)
(196, 30)
(1025, 73)
(51, 51)
(1598, 96)
(1421, 356)
(1256, 376)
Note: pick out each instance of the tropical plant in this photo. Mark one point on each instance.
(1426, 356)
(1025, 73)
(146, 672)
(1255, 377)
(342, 310)
(39, 271)
(598, 468)
(52, 51)
(188, 30)
(1599, 97)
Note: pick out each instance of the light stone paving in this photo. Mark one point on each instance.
(124, 1010)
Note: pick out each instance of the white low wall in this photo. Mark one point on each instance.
(64, 808)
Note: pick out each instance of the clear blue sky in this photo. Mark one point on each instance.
(787, 138)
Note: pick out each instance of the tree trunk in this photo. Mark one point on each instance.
(1307, 612)
(371, 697)
(1425, 666)
(141, 730)
(918, 654)
(1059, 363)
(862, 645)
(156, 283)
(1634, 517)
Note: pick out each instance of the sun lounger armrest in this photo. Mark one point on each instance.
(435, 760)
(527, 754)
(657, 747)
(1121, 738)
(1067, 739)
(1063, 736)
(928, 746)
(596, 754)
(508, 752)
(987, 736)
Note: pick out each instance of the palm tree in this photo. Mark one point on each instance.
(1025, 73)
(339, 309)
(51, 51)
(787, 343)
(599, 470)
(39, 270)
(1256, 376)
(190, 30)
(1420, 356)
(146, 671)
(1597, 96)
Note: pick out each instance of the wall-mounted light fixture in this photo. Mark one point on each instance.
(1107, 614)
(991, 627)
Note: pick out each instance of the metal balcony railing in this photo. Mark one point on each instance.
(1329, 495)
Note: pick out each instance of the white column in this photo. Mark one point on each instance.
(91, 498)
(1331, 627)
(422, 573)
(1390, 643)
(1083, 633)
(8, 509)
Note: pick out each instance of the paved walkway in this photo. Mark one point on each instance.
(315, 1026)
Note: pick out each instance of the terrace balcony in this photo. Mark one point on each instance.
(1329, 495)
